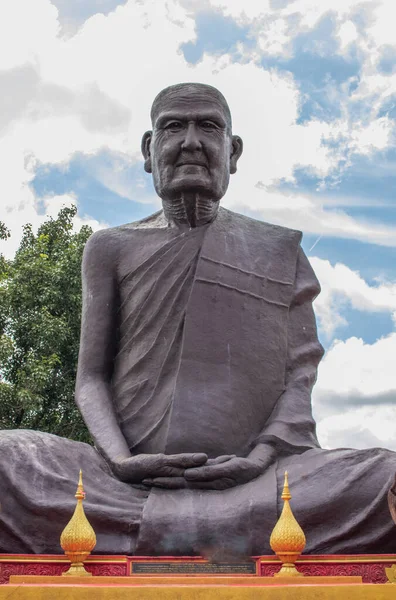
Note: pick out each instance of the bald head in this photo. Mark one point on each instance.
(190, 91)
(191, 148)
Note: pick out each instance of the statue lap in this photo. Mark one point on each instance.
(339, 498)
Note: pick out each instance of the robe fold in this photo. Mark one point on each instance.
(217, 352)
(206, 348)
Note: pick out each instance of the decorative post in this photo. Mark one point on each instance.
(78, 538)
(287, 538)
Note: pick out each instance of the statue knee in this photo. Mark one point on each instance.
(21, 438)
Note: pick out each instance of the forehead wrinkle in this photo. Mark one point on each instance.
(188, 96)
(177, 100)
(192, 115)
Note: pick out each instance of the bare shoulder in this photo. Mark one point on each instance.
(102, 251)
(101, 245)
(106, 246)
(154, 221)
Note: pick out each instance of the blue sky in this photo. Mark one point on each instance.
(312, 90)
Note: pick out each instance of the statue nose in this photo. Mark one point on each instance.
(191, 141)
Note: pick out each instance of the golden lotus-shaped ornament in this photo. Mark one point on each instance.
(78, 538)
(287, 539)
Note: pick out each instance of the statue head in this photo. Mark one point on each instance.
(191, 147)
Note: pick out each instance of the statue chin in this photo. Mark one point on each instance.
(191, 191)
(195, 183)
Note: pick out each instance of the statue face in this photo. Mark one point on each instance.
(191, 148)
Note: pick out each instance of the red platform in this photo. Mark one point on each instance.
(370, 567)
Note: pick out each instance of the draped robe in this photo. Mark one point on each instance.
(217, 352)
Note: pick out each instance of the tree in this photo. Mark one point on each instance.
(40, 310)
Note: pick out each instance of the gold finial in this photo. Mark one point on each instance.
(78, 538)
(287, 538)
(80, 494)
(286, 495)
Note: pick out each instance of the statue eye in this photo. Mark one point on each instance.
(174, 126)
(208, 125)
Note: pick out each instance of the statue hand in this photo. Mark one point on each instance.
(136, 468)
(219, 476)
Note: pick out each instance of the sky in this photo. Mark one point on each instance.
(312, 90)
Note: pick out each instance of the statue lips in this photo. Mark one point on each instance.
(191, 160)
(192, 167)
(192, 163)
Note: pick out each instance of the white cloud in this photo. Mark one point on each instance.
(66, 96)
(374, 136)
(381, 29)
(53, 204)
(26, 212)
(249, 9)
(274, 33)
(94, 90)
(73, 13)
(359, 427)
(312, 10)
(341, 286)
(303, 213)
(27, 31)
(354, 398)
(347, 33)
(270, 20)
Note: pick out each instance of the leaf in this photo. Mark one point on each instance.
(40, 310)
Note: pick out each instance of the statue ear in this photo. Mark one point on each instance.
(146, 142)
(237, 149)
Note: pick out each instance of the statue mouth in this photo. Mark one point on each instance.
(191, 164)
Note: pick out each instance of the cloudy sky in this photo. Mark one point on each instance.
(312, 89)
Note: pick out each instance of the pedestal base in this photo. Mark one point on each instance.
(197, 592)
(370, 567)
(197, 580)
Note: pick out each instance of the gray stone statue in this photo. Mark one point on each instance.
(198, 356)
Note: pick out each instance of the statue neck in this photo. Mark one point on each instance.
(190, 210)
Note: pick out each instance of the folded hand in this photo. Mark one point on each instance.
(212, 476)
(136, 468)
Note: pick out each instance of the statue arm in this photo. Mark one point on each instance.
(97, 346)
(95, 367)
(291, 427)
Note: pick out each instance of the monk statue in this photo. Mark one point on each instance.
(198, 355)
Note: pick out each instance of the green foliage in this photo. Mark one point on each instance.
(40, 310)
